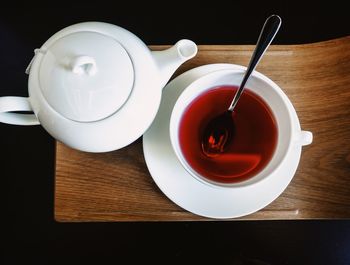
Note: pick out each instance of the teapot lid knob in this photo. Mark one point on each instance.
(84, 65)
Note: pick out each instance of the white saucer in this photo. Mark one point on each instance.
(186, 191)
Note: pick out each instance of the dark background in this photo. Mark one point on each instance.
(30, 232)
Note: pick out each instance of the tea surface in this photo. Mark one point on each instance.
(253, 143)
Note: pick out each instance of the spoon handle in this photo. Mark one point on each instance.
(267, 34)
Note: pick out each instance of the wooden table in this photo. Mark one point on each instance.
(117, 186)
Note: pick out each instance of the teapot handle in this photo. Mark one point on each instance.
(9, 104)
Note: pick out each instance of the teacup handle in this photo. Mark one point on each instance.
(9, 104)
(305, 138)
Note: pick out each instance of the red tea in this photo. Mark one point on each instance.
(253, 143)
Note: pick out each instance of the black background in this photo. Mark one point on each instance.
(30, 233)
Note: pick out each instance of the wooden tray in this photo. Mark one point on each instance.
(117, 186)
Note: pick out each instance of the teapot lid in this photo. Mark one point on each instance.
(86, 76)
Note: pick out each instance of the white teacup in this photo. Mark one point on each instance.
(290, 134)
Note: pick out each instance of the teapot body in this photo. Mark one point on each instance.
(73, 94)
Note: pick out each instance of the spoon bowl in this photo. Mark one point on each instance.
(217, 135)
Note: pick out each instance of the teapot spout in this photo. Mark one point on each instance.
(170, 59)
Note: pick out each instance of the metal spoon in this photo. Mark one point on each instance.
(220, 130)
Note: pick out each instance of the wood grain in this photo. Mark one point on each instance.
(117, 186)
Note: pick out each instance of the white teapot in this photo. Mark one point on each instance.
(95, 86)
